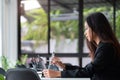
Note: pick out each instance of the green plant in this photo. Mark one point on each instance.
(6, 64)
(22, 60)
(37, 28)
(1, 77)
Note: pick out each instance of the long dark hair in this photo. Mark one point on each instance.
(101, 26)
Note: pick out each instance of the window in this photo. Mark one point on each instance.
(57, 26)
(34, 27)
(50, 26)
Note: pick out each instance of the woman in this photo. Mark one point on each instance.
(104, 52)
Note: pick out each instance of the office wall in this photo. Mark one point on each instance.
(8, 29)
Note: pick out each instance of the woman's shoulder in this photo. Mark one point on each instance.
(105, 49)
(105, 44)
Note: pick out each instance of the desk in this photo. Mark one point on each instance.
(42, 78)
(65, 78)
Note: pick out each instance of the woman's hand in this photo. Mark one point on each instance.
(56, 61)
(48, 73)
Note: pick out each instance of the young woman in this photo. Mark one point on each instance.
(104, 52)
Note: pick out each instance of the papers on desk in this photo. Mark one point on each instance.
(39, 73)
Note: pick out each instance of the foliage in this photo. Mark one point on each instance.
(38, 29)
(22, 60)
(96, 9)
(110, 11)
(68, 29)
(1, 77)
(6, 64)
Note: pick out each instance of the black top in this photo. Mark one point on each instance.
(106, 65)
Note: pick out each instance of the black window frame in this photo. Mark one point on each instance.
(80, 53)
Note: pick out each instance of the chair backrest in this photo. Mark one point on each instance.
(2, 71)
(22, 74)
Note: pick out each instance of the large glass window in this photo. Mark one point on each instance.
(50, 26)
(34, 27)
(56, 26)
(64, 26)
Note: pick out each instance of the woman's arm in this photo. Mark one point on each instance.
(104, 58)
(78, 72)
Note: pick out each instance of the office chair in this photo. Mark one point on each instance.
(2, 71)
(22, 74)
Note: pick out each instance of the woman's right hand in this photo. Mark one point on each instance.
(49, 73)
(56, 61)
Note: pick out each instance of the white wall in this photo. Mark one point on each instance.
(8, 29)
(0, 29)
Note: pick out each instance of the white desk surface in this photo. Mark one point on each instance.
(42, 78)
(65, 78)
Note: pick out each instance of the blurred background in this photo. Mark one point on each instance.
(37, 28)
